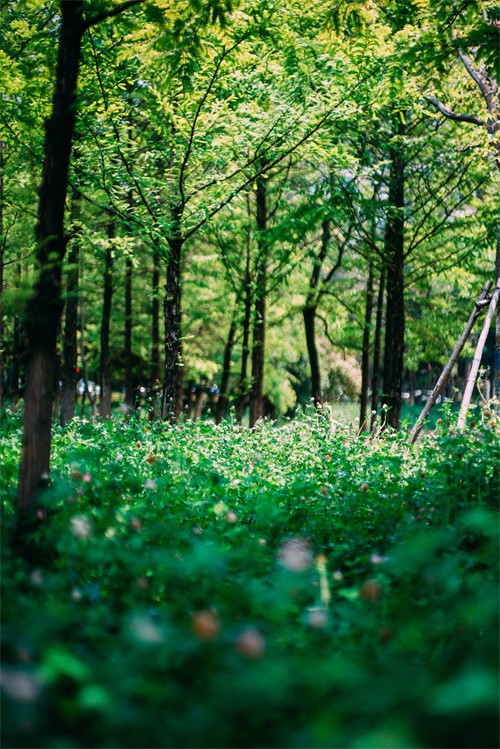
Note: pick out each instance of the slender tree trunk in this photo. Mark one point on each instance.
(104, 357)
(365, 355)
(259, 326)
(2, 251)
(127, 337)
(127, 332)
(226, 371)
(155, 328)
(45, 306)
(155, 335)
(69, 373)
(496, 362)
(377, 349)
(15, 369)
(1, 322)
(90, 394)
(309, 315)
(477, 357)
(201, 397)
(395, 309)
(411, 385)
(245, 350)
(56, 408)
(445, 374)
(173, 374)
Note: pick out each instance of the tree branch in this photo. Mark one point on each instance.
(105, 14)
(478, 78)
(451, 115)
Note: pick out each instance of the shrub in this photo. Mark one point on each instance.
(292, 586)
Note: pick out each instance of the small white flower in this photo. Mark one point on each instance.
(81, 527)
(19, 685)
(145, 630)
(296, 555)
(317, 618)
(36, 578)
(377, 559)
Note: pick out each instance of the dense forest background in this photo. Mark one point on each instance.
(265, 202)
(216, 212)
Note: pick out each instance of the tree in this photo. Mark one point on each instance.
(44, 308)
(104, 358)
(475, 44)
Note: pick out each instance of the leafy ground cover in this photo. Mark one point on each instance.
(297, 586)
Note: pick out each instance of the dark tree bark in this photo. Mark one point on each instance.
(259, 325)
(411, 386)
(104, 357)
(155, 372)
(242, 395)
(309, 314)
(69, 374)
(365, 354)
(377, 349)
(45, 306)
(56, 408)
(395, 309)
(173, 375)
(226, 371)
(155, 327)
(2, 251)
(496, 361)
(2, 367)
(15, 369)
(87, 393)
(127, 335)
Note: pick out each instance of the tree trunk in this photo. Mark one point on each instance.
(395, 310)
(56, 403)
(127, 332)
(127, 337)
(1, 323)
(445, 374)
(90, 394)
(309, 312)
(477, 357)
(411, 385)
(245, 349)
(69, 373)
(259, 326)
(155, 328)
(15, 369)
(45, 306)
(365, 356)
(377, 348)
(201, 397)
(104, 356)
(173, 375)
(496, 361)
(2, 251)
(309, 315)
(155, 373)
(226, 371)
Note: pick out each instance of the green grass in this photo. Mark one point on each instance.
(288, 587)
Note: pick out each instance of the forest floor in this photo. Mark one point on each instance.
(290, 586)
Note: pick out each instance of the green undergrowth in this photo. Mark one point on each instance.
(300, 586)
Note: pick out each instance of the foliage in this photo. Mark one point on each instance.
(286, 586)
